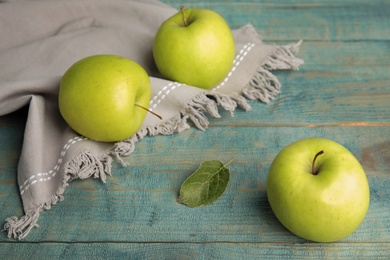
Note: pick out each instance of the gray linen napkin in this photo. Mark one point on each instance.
(41, 39)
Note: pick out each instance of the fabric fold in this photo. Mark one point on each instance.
(53, 154)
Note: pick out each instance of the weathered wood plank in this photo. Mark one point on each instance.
(310, 20)
(357, 55)
(196, 251)
(327, 96)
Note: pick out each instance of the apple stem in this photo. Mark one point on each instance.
(314, 160)
(184, 16)
(150, 111)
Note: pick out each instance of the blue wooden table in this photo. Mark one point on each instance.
(342, 92)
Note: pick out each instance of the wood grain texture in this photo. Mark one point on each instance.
(103, 251)
(342, 92)
(317, 20)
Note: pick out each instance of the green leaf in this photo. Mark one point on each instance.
(205, 185)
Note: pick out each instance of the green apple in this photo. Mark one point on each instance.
(194, 46)
(105, 97)
(318, 190)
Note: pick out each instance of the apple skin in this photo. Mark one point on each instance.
(325, 207)
(200, 54)
(98, 97)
